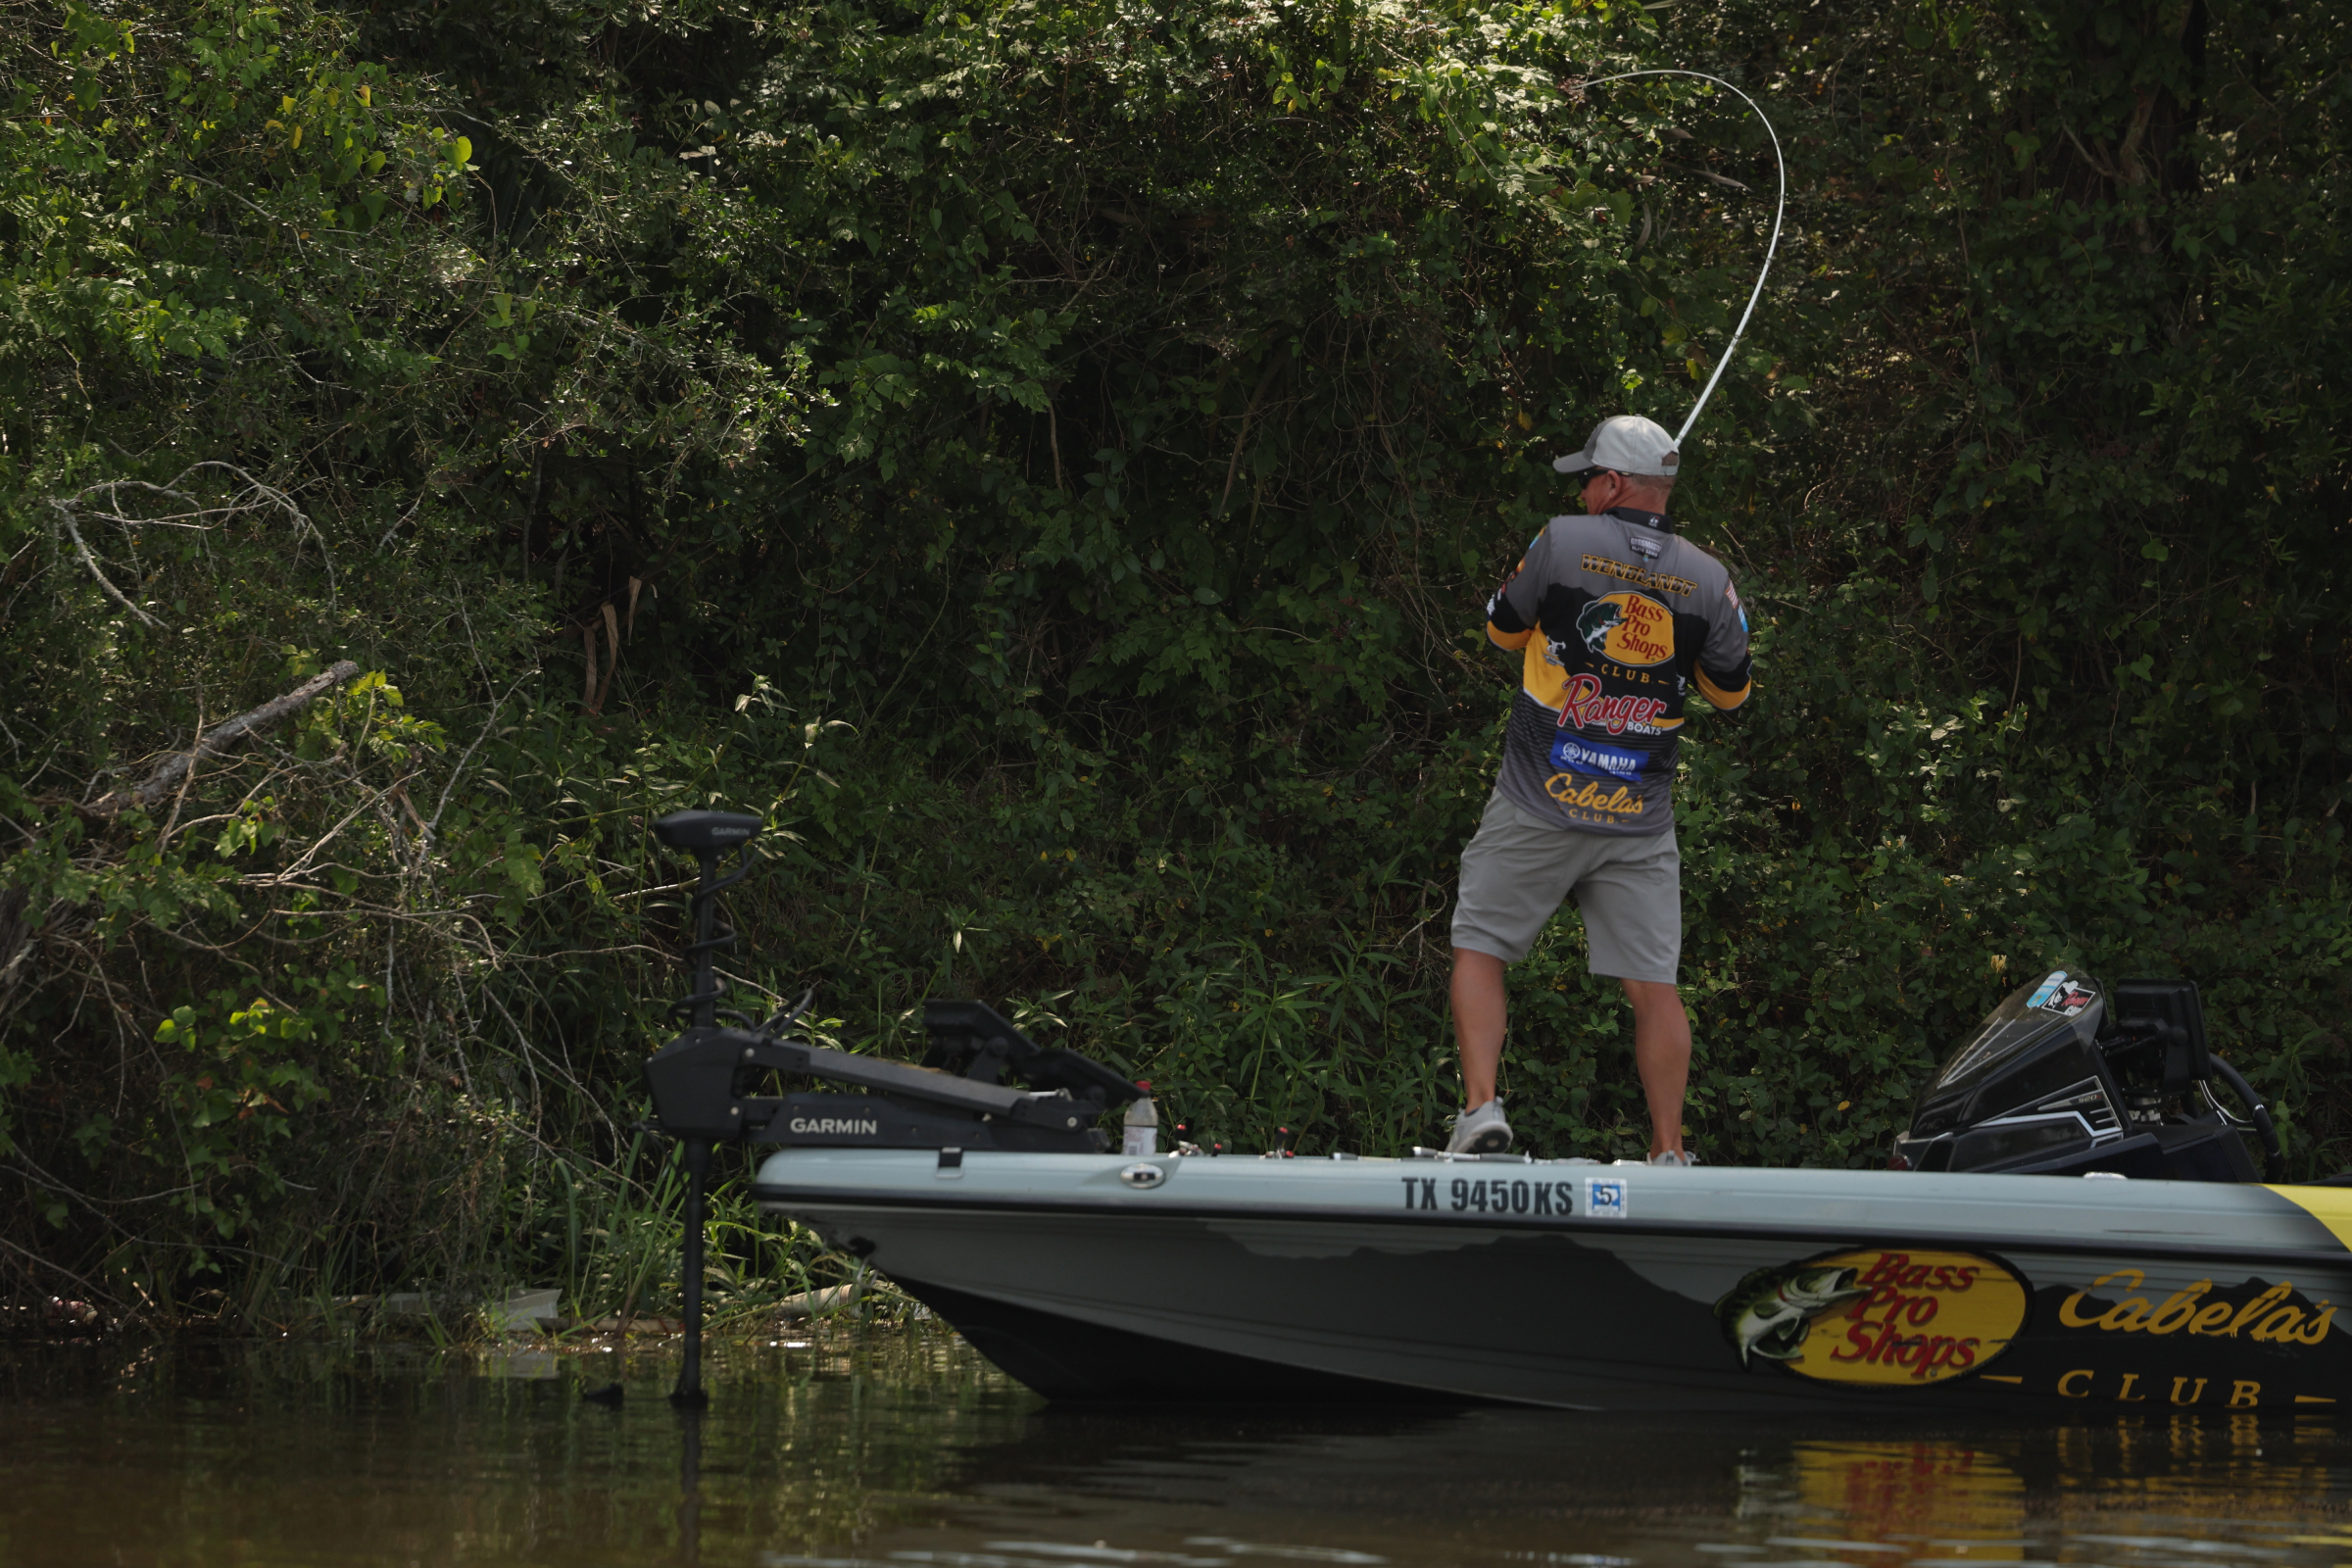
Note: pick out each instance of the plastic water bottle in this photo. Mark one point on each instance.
(1143, 1128)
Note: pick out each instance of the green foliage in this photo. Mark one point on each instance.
(249, 1069)
(1047, 460)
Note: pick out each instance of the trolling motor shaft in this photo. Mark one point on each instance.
(707, 835)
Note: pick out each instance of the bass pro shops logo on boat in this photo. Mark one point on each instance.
(1875, 1316)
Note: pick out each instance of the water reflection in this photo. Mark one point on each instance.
(1937, 1499)
(890, 1449)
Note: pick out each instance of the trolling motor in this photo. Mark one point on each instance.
(2073, 1076)
(702, 1082)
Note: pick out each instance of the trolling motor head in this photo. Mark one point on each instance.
(702, 1082)
(706, 833)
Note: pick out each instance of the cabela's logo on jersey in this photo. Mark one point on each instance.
(1577, 794)
(1582, 706)
(1627, 629)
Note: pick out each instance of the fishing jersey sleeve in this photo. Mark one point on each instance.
(1615, 626)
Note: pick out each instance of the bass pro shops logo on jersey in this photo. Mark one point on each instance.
(1627, 629)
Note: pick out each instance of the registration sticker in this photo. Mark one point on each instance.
(1500, 1195)
(1604, 1197)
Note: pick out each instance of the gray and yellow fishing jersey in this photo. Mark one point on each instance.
(1617, 619)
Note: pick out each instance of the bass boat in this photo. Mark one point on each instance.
(2073, 1219)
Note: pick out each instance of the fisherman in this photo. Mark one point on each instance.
(1616, 616)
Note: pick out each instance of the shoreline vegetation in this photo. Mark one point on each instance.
(1048, 460)
(449, 1322)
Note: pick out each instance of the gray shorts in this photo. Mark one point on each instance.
(1516, 870)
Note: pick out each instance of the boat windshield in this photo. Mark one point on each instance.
(2057, 1002)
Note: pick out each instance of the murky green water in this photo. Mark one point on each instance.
(898, 1448)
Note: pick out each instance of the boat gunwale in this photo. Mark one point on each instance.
(1822, 1238)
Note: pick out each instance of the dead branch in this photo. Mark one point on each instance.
(104, 503)
(15, 931)
(83, 549)
(175, 767)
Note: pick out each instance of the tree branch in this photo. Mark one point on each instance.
(175, 767)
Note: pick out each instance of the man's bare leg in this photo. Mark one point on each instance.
(1478, 1020)
(1661, 1054)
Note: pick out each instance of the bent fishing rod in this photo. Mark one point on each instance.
(1779, 208)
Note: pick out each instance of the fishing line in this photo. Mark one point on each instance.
(1782, 206)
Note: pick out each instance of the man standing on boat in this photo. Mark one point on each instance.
(1616, 618)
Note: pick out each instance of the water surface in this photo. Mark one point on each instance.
(898, 1448)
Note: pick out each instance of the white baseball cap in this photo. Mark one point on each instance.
(1626, 443)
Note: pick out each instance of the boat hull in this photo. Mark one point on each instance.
(1597, 1288)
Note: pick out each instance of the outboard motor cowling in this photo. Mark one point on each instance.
(2072, 1076)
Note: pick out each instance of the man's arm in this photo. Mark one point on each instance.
(1512, 612)
(1726, 673)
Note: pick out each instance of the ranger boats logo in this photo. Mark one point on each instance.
(1875, 1316)
(1586, 704)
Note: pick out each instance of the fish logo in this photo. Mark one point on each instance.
(1769, 1312)
(1596, 621)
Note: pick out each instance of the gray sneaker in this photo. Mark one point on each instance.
(1480, 1131)
(1674, 1157)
